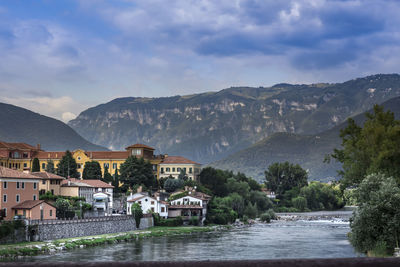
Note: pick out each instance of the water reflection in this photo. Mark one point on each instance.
(301, 239)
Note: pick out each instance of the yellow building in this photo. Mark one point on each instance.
(173, 165)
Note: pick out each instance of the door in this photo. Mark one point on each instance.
(41, 214)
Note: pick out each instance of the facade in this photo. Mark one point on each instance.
(35, 210)
(193, 204)
(75, 188)
(103, 192)
(50, 182)
(148, 204)
(173, 165)
(15, 188)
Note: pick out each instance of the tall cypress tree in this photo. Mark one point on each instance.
(67, 166)
(107, 177)
(50, 166)
(92, 170)
(35, 165)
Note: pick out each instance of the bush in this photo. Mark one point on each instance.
(251, 211)
(170, 222)
(299, 203)
(265, 217)
(194, 221)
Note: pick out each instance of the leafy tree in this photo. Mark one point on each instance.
(322, 196)
(137, 213)
(64, 208)
(375, 226)
(67, 166)
(50, 166)
(136, 171)
(261, 200)
(214, 180)
(242, 188)
(251, 211)
(372, 148)
(299, 203)
(92, 170)
(281, 177)
(107, 176)
(35, 165)
(171, 184)
(183, 176)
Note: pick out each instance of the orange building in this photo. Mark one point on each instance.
(35, 210)
(15, 188)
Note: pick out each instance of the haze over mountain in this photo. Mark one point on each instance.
(210, 126)
(307, 150)
(22, 125)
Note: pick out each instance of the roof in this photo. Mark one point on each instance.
(200, 195)
(96, 183)
(10, 173)
(135, 199)
(178, 160)
(185, 207)
(108, 154)
(72, 182)
(50, 155)
(140, 146)
(29, 204)
(21, 146)
(48, 175)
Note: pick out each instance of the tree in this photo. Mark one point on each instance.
(299, 203)
(67, 166)
(35, 165)
(375, 226)
(372, 148)
(92, 170)
(115, 181)
(281, 177)
(107, 176)
(136, 171)
(215, 180)
(50, 166)
(64, 208)
(171, 184)
(137, 213)
(183, 176)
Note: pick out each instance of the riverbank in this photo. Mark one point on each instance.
(342, 215)
(49, 247)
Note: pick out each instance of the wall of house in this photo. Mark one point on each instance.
(48, 186)
(69, 191)
(87, 228)
(187, 200)
(172, 169)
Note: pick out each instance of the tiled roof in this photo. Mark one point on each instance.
(50, 155)
(177, 160)
(140, 146)
(200, 195)
(185, 207)
(108, 154)
(9, 173)
(21, 146)
(72, 182)
(29, 204)
(48, 175)
(135, 199)
(96, 183)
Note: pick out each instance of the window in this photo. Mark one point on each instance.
(106, 165)
(140, 202)
(162, 209)
(24, 213)
(162, 170)
(43, 166)
(190, 170)
(173, 169)
(79, 158)
(51, 213)
(5, 212)
(23, 185)
(25, 165)
(152, 209)
(17, 198)
(184, 169)
(34, 197)
(179, 169)
(34, 186)
(136, 152)
(5, 198)
(17, 185)
(115, 165)
(52, 192)
(78, 166)
(16, 212)
(152, 203)
(168, 169)
(25, 155)
(43, 181)
(5, 185)
(16, 155)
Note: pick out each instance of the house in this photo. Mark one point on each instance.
(173, 165)
(35, 210)
(193, 204)
(148, 204)
(50, 182)
(269, 193)
(15, 188)
(76, 188)
(102, 196)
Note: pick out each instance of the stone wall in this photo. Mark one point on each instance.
(77, 228)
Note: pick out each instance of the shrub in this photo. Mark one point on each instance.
(194, 221)
(299, 203)
(265, 217)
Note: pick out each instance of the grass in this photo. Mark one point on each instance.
(36, 248)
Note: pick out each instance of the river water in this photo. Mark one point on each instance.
(278, 240)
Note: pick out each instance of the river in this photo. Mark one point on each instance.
(278, 240)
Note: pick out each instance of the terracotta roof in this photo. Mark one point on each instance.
(29, 204)
(74, 183)
(140, 146)
(50, 155)
(178, 160)
(185, 207)
(134, 199)
(200, 195)
(108, 154)
(10, 173)
(96, 183)
(48, 175)
(21, 146)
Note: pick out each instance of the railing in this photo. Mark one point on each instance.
(92, 219)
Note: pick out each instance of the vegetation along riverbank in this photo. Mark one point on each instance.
(36, 248)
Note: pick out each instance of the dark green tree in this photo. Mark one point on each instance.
(35, 165)
(115, 182)
(214, 180)
(373, 148)
(107, 177)
(92, 170)
(171, 184)
(67, 166)
(183, 176)
(136, 171)
(50, 166)
(137, 213)
(281, 177)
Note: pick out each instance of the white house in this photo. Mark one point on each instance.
(194, 204)
(148, 204)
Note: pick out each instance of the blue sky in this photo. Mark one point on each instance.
(59, 57)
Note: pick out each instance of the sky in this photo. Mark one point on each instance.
(60, 57)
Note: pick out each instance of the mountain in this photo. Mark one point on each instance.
(22, 125)
(210, 126)
(307, 150)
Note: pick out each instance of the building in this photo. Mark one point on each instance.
(193, 204)
(35, 210)
(103, 194)
(50, 182)
(15, 188)
(148, 204)
(173, 165)
(76, 188)
(17, 156)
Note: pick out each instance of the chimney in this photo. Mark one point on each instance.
(38, 146)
